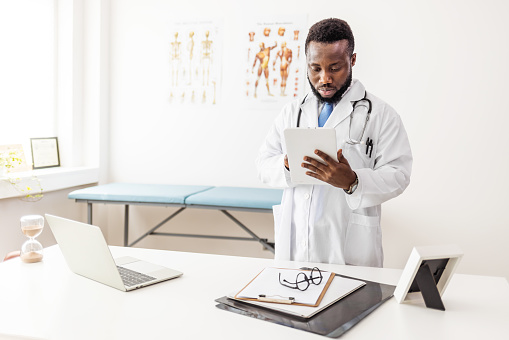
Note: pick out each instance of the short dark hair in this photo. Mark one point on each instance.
(329, 31)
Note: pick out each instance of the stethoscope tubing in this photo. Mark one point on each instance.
(369, 142)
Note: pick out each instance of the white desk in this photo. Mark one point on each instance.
(45, 300)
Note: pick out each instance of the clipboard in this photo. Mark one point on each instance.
(302, 142)
(332, 322)
(265, 287)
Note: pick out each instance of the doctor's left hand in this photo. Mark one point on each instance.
(336, 173)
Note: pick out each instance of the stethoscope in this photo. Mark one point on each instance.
(360, 102)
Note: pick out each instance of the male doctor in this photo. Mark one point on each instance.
(339, 221)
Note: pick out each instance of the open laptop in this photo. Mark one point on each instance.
(87, 254)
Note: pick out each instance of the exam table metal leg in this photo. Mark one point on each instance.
(89, 213)
(263, 241)
(126, 225)
(151, 231)
(247, 230)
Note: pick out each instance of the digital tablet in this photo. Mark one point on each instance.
(302, 142)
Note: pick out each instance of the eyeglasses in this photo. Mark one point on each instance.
(302, 281)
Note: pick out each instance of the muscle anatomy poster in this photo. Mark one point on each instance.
(275, 60)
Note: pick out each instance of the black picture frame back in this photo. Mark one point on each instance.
(426, 280)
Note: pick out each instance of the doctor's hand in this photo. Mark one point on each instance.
(336, 173)
(287, 166)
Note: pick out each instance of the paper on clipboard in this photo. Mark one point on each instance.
(339, 288)
(267, 283)
(302, 142)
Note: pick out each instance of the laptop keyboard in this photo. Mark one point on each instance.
(132, 278)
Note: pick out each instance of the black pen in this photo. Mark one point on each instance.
(367, 145)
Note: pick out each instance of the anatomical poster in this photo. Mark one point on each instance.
(195, 62)
(275, 60)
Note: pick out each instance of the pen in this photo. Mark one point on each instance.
(369, 146)
(287, 301)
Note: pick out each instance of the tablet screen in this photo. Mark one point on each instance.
(301, 142)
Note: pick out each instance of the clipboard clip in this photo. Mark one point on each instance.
(280, 299)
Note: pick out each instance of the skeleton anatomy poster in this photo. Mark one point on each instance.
(275, 60)
(195, 67)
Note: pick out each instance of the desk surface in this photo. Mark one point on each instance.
(45, 300)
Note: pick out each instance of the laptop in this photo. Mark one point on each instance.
(87, 254)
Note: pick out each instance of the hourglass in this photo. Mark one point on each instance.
(31, 226)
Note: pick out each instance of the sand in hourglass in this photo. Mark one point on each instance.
(31, 231)
(31, 257)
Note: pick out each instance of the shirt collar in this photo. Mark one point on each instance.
(322, 103)
(342, 109)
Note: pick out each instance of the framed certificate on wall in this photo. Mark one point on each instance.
(45, 152)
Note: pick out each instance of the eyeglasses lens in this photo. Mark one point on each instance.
(316, 276)
(302, 281)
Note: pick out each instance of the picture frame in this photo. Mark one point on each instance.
(427, 274)
(45, 153)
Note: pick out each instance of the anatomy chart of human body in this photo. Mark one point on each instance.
(195, 67)
(275, 60)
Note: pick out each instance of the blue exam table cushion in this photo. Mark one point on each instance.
(138, 193)
(259, 198)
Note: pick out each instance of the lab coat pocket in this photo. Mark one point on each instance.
(363, 241)
(357, 156)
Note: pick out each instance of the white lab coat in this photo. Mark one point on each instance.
(321, 223)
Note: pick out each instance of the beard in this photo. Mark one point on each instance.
(337, 96)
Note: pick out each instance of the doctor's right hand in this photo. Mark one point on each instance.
(336, 173)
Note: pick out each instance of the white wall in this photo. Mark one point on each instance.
(441, 64)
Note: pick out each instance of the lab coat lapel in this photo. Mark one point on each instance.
(309, 116)
(344, 108)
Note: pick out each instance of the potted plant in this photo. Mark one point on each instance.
(30, 188)
(8, 160)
